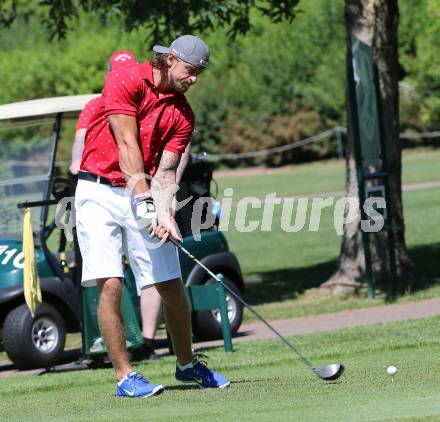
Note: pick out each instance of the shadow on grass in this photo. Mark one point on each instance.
(182, 387)
(288, 283)
(427, 261)
(253, 381)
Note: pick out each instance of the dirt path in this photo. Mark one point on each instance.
(305, 325)
(334, 321)
(261, 170)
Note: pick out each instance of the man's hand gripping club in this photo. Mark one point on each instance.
(131, 162)
(147, 216)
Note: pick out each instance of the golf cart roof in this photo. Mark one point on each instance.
(45, 106)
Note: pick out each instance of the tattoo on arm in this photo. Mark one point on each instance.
(184, 160)
(169, 161)
(163, 185)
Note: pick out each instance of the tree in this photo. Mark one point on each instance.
(375, 22)
(164, 18)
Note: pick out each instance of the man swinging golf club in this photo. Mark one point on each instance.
(143, 126)
(150, 301)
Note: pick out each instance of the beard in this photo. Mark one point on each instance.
(181, 86)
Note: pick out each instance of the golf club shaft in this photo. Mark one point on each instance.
(238, 297)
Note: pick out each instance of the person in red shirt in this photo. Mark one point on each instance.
(123, 200)
(150, 301)
(80, 133)
(117, 60)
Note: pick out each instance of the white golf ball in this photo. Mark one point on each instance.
(391, 370)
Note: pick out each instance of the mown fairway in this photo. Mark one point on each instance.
(287, 264)
(268, 383)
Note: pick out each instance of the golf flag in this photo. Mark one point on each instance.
(31, 282)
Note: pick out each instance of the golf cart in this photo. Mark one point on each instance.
(31, 134)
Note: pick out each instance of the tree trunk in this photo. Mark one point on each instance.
(375, 22)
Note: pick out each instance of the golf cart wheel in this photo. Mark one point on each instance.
(207, 324)
(34, 342)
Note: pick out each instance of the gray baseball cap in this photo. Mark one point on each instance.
(188, 48)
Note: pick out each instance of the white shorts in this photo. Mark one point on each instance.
(106, 228)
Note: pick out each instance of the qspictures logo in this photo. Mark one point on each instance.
(289, 214)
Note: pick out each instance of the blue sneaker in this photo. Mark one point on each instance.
(135, 385)
(202, 375)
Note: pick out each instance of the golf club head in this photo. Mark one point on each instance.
(330, 372)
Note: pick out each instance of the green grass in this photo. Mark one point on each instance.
(319, 176)
(419, 165)
(288, 267)
(268, 383)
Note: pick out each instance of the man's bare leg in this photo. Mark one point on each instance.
(177, 318)
(111, 324)
(150, 311)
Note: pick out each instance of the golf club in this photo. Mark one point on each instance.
(327, 372)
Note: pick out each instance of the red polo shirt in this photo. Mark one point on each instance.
(163, 123)
(87, 113)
